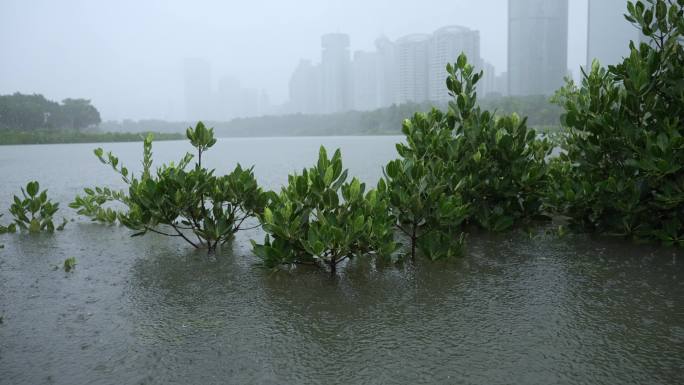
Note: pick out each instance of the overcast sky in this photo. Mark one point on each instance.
(126, 55)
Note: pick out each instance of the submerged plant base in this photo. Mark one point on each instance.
(69, 264)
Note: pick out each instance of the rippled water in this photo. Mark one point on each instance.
(517, 309)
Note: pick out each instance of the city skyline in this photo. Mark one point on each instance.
(411, 69)
(127, 57)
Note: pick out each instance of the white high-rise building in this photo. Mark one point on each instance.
(199, 103)
(502, 84)
(445, 46)
(230, 101)
(608, 33)
(335, 73)
(388, 72)
(537, 46)
(305, 88)
(487, 85)
(366, 86)
(412, 57)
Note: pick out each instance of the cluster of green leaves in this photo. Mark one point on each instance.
(177, 201)
(34, 212)
(622, 170)
(320, 219)
(465, 166)
(424, 206)
(69, 264)
(11, 228)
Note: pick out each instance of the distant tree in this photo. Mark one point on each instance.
(27, 112)
(34, 112)
(79, 113)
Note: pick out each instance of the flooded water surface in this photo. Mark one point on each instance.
(517, 309)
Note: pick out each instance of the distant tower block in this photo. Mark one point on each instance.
(537, 46)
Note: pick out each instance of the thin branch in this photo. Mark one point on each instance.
(160, 232)
(247, 228)
(184, 237)
(403, 230)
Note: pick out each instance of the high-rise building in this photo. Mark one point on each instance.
(305, 88)
(335, 73)
(412, 59)
(365, 76)
(229, 101)
(537, 46)
(487, 85)
(501, 85)
(446, 44)
(198, 91)
(388, 72)
(608, 33)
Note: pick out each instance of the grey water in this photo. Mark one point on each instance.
(518, 308)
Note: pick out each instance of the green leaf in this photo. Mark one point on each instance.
(32, 188)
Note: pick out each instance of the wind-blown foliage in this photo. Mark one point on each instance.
(622, 172)
(175, 201)
(465, 166)
(34, 212)
(310, 223)
(11, 228)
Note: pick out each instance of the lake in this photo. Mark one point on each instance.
(517, 309)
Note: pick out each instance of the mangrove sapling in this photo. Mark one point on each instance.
(622, 169)
(495, 163)
(320, 219)
(423, 208)
(34, 211)
(69, 264)
(177, 202)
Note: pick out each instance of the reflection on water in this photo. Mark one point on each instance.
(515, 309)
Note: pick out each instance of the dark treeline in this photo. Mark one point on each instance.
(384, 121)
(144, 125)
(53, 137)
(538, 109)
(20, 112)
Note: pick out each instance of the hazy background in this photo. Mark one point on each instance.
(127, 56)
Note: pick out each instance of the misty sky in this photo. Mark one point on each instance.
(126, 55)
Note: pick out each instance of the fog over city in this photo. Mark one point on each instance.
(127, 56)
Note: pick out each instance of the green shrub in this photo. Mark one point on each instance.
(465, 166)
(424, 207)
(34, 211)
(320, 219)
(175, 201)
(622, 171)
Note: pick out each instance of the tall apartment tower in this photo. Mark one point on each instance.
(446, 44)
(305, 88)
(537, 46)
(335, 73)
(198, 91)
(388, 72)
(608, 33)
(365, 86)
(412, 57)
